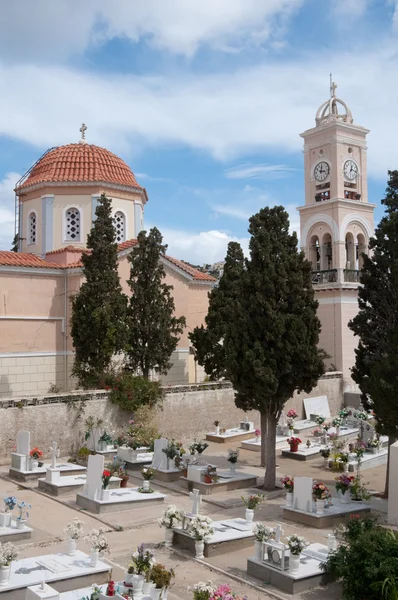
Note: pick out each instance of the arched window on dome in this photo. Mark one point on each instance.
(32, 228)
(120, 226)
(72, 224)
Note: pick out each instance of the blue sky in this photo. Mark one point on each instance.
(204, 100)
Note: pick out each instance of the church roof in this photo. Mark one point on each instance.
(79, 163)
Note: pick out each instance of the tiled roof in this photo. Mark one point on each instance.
(198, 275)
(25, 259)
(68, 249)
(80, 163)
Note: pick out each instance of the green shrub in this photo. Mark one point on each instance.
(133, 391)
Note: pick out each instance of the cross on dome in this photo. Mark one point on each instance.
(82, 130)
(329, 110)
(333, 87)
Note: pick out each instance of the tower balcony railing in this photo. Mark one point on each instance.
(335, 276)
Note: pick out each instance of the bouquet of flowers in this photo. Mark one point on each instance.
(251, 502)
(375, 443)
(161, 576)
(142, 561)
(97, 541)
(148, 473)
(10, 502)
(172, 515)
(203, 590)
(344, 457)
(325, 452)
(362, 415)
(317, 432)
(262, 533)
(36, 453)
(200, 527)
(198, 447)
(106, 438)
(257, 432)
(172, 450)
(344, 482)
(8, 553)
(296, 544)
(23, 511)
(224, 592)
(294, 440)
(344, 413)
(292, 414)
(216, 423)
(320, 491)
(74, 529)
(326, 426)
(106, 476)
(233, 456)
(319, 420)
(337, 421)
(288, 483)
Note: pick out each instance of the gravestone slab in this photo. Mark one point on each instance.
(317, 406)
(95, 468)
(23, 442)
(159, 460)
(302, 494)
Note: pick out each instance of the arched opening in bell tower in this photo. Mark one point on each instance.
(361, 249)
(327, 252)
(350, 251)
(315, 253)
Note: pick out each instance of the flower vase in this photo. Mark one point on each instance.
(345, 467)
(320, 507)
(294, 562)
(145, 484)
(128, 580)
(146, 588)
(94, 556)
(218, 430)
(20, 523)
(199, 548)
(345, 497)
(123, 483)
(258, 548)
(289, 499)
(294, 447)
(105, 495)
(257, 439)
(375, 449)
(5, 573)
(72, 545)
(35, 464)
(168, 537)
(5, 519)
(138, 584)
(249, 515)
(155, 593)
(232, 467)
(167, 463)
(338, 431)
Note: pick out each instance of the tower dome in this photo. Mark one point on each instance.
(329, 110)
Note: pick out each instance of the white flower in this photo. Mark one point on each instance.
(201, 527)
(74, 529)
(8, 553)
(171, 516)
(263, 533)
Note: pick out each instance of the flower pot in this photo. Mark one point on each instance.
(146, 588)
(146, 484)
(5, 573)
(258, 549)
(105, 495)
(320, 507)
(72, 545)
(94, 556)
(207, 479)
(232, 467)
(294, 447)
(199, 548)
(345, 497)
(123, 483)
(20, 523)
(375, 450)
(257, 439)
(218, 430)
(294, 563)
(249, 515)
(138, 584)
(168, 537)
(338, 431)
(128, 579)
(5, 519)
(35, 464)
(289, 499)
(155, 593)
(345, 467)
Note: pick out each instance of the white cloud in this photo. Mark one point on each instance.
(64, 29)
(260, 171)
(7, 209)
(349, 8)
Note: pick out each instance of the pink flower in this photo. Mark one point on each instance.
(257, 432)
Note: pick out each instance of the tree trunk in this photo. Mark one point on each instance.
(270, 471)
(391, 441)
(145, 372)
(263, 425)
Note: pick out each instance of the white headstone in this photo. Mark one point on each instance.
(278, 533)
(95, 468)
(23, 442)
(195, 473)
(159, 460)
(302, 494)
(367, 432)
(393, 486)
(317, 406)
(196, 501)
(53, 475)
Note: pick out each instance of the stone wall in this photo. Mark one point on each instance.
(188, 411)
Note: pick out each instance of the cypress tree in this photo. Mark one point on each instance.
(271, 338)
(376, 324)
(15, 242)
(99, 307)
(153, 330)
(208, 341)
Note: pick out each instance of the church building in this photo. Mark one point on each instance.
(56, 202)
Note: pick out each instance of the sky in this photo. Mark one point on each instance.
(205, 100)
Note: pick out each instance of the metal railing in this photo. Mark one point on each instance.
(335, 276)
(322, 277)
(351, 275)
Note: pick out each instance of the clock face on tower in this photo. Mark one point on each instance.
(321, 171)
(350, 169)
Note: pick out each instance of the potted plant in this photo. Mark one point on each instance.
(171, 451)
(203, 590)
(262, 533)
(319, 420)
(9, 505)
(74, 530)
(82, 456)
(288, 485)
(325, 453)
(200, 528)
(251, 502)
(337, 422)
(344, 458)
(35, 454)
(161, 577)
(294, 443)
(217, 426)
(359, 493)
(8, 553)
(320, 493)
(148, 474)
(139, 569)
(104, 441)
(171, 516)
(296, 545)
(23, 516)
(291, 415)
(124, 476)
(257, 434)
(233, 459)
(343, 485)
(105, 492)
(98, 544)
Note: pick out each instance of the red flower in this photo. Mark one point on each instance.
(106, 473)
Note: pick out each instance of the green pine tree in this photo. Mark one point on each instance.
(153, 330)
(99, 307)
(15, 242)
(271, 339)
(208, 341)
(376, 324)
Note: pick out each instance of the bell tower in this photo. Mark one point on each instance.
(336, 223)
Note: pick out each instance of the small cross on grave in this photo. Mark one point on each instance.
(196, 501)
(278, 533)
(54, 454)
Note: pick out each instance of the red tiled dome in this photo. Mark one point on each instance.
(80, 163)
